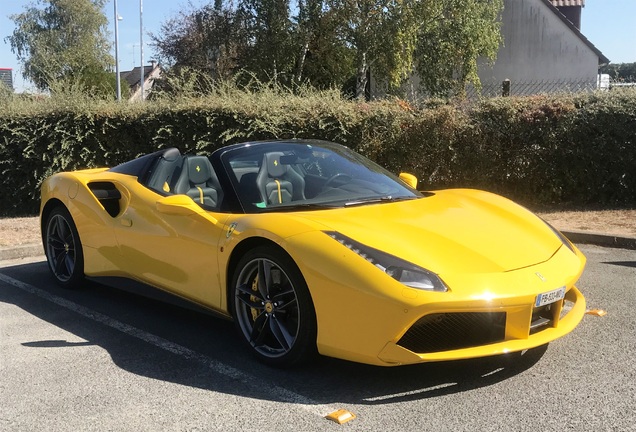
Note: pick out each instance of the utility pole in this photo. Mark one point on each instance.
(117, 78)
(141, 46)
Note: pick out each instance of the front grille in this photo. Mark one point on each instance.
(567, 307)
(542, 318)
(450, 331)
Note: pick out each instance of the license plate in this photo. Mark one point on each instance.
(550, 297)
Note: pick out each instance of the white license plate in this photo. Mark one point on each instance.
(550, 297)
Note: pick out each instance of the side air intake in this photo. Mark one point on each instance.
(107, 195)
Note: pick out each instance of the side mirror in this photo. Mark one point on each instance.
(178, 205)
(409, 179)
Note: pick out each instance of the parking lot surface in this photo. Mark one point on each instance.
(119, 357)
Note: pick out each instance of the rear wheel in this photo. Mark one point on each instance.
(63, 248)
(272, 308)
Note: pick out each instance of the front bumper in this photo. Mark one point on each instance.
(503, 331)
(363, 315)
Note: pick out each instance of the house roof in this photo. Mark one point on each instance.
(132, 77)
(550, 3)
(560, 3)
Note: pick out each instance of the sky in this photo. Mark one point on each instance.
(608, 24)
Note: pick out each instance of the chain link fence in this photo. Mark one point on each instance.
(526, 88)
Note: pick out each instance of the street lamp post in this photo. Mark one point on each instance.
(141, 47)
(117, 77)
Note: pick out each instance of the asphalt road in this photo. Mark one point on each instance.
(106, 358)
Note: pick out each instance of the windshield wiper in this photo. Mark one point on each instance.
(383, 199)
(300, 206)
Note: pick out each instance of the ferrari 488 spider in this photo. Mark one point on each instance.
(311, 248)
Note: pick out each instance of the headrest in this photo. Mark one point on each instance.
(199, 169)
(171, 154)
(274, 167)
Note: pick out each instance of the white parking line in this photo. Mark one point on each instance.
(410, 393)
(277, 393)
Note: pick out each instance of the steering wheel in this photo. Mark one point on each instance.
(340, 177)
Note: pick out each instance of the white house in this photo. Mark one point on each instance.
(543, 49)
(133, 78)
(6, 77)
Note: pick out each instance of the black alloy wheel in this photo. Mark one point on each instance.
(272, 308)
(63, 248)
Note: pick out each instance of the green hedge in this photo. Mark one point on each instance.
(567, 150)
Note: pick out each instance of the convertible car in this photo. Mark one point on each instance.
(311, 248)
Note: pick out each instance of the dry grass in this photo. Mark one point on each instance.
(26, 230)
(618, 222)
(19, 231)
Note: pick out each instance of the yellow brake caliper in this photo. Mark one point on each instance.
(253, 298)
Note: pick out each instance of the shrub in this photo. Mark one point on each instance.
(563, 150)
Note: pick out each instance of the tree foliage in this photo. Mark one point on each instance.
(256, 36)
(269, 38)
(63, 40)
(453, 36)
(208, 39)
(330, 42)
(382, 34)
(625, 72)
(323, 60)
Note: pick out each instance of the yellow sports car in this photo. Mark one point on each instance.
(312, 248)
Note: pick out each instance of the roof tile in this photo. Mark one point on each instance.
(559, 3)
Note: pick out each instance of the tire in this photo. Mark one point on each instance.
(272, 308)
(63, 249)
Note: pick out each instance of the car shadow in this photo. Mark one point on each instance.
(191, 347)
(377, 385)
(622, 263)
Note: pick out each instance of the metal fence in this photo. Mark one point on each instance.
(525, 88)
(411, 91)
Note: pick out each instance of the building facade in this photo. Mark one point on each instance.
(543, 50)
(6, 77)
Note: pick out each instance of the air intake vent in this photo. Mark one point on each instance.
(107, 195)
(450, 331)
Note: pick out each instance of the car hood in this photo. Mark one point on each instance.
(451, 231)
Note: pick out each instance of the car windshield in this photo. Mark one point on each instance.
(284, 176)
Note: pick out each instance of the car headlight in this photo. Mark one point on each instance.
(561, 237)
(402, 271)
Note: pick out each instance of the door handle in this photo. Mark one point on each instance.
(126, 222)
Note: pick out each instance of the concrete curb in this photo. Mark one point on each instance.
(585, 237)
(600, 239)
(21, 251)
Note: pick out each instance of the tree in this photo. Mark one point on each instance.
(381, 33)
(220, 40)
(62, 40)
(209, 39)
(332, 40)
(625, 72)
(269, 53)
(442, 39)
(307, 27)
(453, 36)
(323, 58)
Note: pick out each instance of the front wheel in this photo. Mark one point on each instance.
(272, 308)
(63, 248)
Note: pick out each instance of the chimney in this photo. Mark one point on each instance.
(571, 9)
(153, 63)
